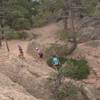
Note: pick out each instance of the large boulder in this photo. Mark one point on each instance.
(87, 91)
(90, 29)
(31, 49)
(89, 33)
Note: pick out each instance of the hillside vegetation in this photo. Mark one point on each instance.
(66, 29)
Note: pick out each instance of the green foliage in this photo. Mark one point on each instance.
(21, 23)
(47, 11)
(60, 50)
(39, 21)
(62, 35)
(49, 62)
(90, 5)
(16, 35)
(63, 90)
(76, 69)
(56, 7)
(97, 13)
(17, 13)
(43, 18)
(68, 91)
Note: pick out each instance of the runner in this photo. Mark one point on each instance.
(21, 53)
(40, 53)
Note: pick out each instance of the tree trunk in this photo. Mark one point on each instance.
(2, 35)
(65, 24)
(7, 46)
(72, 39)
(2, 31)
(0, 43)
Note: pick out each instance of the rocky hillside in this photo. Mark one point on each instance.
(91, 52)
(22, 79)
(28, 79)
(90, 29)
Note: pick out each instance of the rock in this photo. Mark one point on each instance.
(33, 78)
(12, 91)
(90, 29)
(31, 49)
(88, 92)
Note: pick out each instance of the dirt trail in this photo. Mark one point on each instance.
(47, 34)
(13, 45)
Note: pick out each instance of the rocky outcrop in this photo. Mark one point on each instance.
(31, 49)
(90, 29)
(12, 91)
(23, 79)
(30, 75)
(88, 92)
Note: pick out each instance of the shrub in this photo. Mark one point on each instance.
(62, 35)
(21, 23)
(67, 91)
(43, 18)
(39, 23)
(60, 50)
(16, 35)
(76, 69)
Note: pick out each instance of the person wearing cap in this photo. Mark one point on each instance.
(40, 53)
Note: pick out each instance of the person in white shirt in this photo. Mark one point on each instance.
(40, 53)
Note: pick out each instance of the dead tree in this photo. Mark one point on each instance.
(3, 36)
(0, 42)
(3, 20)
(69, 14)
